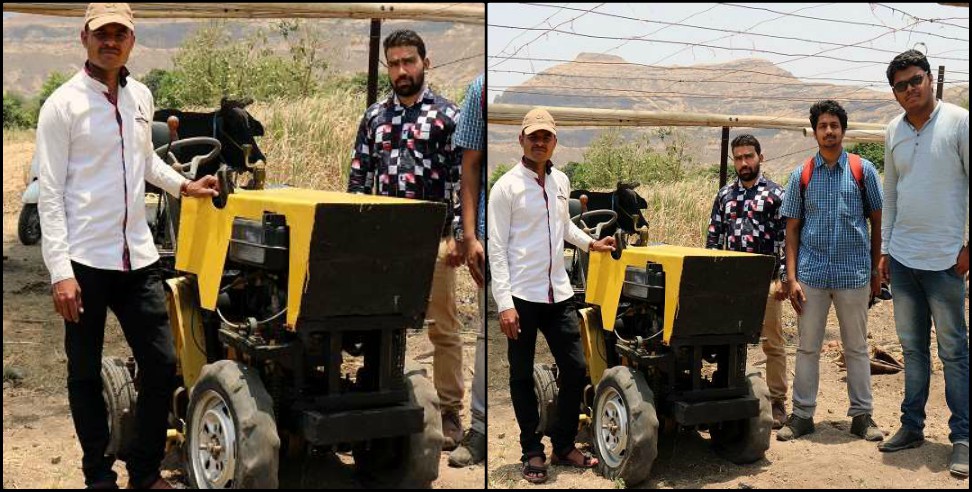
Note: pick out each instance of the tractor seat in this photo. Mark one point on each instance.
(160, 134)
(574, 207)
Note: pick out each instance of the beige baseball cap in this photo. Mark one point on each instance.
(100, 14)
(538, 119)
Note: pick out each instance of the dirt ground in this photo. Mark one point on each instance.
(831, 458)
(40, 449)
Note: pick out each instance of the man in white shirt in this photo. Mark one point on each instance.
(925, 250)
(94, 148)
(528, 223)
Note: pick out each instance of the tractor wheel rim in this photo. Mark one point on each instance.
(213, 442)
(611, 428)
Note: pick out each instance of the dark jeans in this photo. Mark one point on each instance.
(138, 301)
(921, 296)
(558, 323)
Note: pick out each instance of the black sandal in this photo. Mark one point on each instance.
(563, 460)
(534, 474)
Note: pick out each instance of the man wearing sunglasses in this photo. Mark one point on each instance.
(925, 252)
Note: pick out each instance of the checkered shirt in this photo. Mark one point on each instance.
(409, 151)
(749, 221)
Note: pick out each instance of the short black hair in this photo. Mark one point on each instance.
(829, 106)
(910, 58)
(405, 37)
(746, 141)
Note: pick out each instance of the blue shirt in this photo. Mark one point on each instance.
(835, 248)
(471, 134)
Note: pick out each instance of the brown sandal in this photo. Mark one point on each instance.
(534, 474)
(564, 460)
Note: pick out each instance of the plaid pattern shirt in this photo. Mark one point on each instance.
(750, 221)
(409, 151)
(471, 134)
(835, 249)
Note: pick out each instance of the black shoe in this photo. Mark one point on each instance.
(864, 426)
(959, 463)
(794, 428)
(905, 438)
(470, 452)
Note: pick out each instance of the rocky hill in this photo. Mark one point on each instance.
(34, 46)
(748, 86)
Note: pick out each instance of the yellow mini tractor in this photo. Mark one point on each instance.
(289, 310)
(665, 331)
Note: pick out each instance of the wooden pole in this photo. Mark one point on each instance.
(941, 82)
(724, 167)
(373, 61)
(469, 13)
(856, 136)
(512, 114)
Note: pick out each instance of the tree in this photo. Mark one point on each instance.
(873, 152)
(14, 112)
(212, 64)
(498, 173)
(54, 80)
(611, 159)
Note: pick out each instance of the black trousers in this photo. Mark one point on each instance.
(138, 301)
(558, 323)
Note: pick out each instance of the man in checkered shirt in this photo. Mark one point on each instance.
(405, 146)
(746, 217)
(831, 259)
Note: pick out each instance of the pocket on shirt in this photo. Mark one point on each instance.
(851, 202)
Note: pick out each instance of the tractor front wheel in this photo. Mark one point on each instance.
(231, 436)
(625, 426)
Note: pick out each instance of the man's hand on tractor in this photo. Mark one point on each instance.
(67, 300)
(606, 244)
(510, 324)
(206, 186)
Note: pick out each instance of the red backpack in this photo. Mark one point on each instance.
(857, 170)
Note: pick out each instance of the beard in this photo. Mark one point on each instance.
(748, 173)
(410, 88)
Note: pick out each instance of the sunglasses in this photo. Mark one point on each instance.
(914, 82)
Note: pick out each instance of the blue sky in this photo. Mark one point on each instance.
(857, 63)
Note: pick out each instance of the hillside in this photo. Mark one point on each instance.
(748, 86)
(34, 46)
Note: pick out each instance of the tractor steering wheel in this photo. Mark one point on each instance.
(607, 218)
(190, 168)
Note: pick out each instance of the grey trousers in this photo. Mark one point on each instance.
(851, 307)
(479, 371)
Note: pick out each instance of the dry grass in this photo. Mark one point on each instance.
(679, 213)
(308, 142)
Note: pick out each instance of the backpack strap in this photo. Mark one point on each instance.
(857, 170)
(805, 175)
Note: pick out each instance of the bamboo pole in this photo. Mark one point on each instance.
(512, 114)
(470, 13)
(856, 136)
